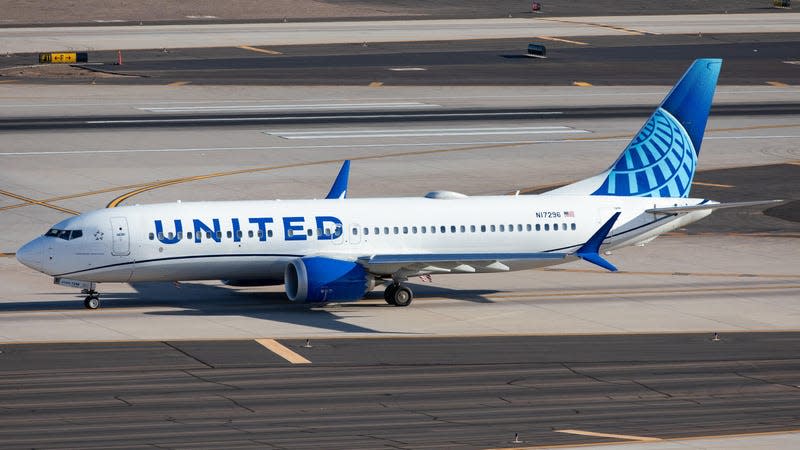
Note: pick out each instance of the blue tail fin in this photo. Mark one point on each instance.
(660, 161)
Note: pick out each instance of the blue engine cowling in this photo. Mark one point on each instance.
(318, 279)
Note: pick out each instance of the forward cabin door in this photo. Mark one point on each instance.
(121, 242)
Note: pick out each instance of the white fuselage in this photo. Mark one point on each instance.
(254, 240)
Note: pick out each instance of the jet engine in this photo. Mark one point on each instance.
(318, 279)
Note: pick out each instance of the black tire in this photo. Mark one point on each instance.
(91, 302)
(388, 294)
(402, 296)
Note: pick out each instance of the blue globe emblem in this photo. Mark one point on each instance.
(660, 162)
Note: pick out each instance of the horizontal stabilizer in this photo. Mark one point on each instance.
(590, 251)
(707, 206)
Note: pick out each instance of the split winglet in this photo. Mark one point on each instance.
(590, 250)
(339, 188)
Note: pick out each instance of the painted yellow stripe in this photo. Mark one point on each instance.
(699, 183)
(260, 50)
(282, 351)
(581, 83)
(777, 84)
(550, 38)
(8, 81)
(376, 84)
(37, 202)
(626, 437)
(179, 83)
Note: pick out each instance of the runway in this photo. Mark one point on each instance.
(398, 393)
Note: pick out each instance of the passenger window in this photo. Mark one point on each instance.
(492, 228)
(208, 235)
(452, 228)
(377, 230)
(433, 230)
(385, 230)
(424, 230)
(160, 236)
(502, 228)
(472, 228)
(414, 230)
(189, 235)
(170, 235)
(443, 229)
(269, 233)
(180, 235)
(219, 234)
(151, 236)
(396, 230)
(519, 227)
(366, 231)
(555, 226)
(405, 230)
(573, 227)
(310, 232)
(290, 233)
(528, 227)
(483, 228)
(538, 227)
(229, 234)
(260, 234)
(546, 227)
(463, 229)
(355, 231)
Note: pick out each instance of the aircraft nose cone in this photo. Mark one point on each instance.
(32, 254)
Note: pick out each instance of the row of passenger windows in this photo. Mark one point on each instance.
(377, 231)
(441, 229)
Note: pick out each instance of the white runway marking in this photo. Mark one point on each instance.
(310, 118)
(290, 107)
(407, 69)
(350, 146)
(418, 132)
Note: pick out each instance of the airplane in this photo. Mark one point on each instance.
(338, 249)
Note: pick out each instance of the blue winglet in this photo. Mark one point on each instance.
(339, 188)
(590, 250)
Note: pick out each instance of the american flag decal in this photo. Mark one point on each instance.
(569, 213)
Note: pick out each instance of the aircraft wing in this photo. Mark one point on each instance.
(452, 262)
(706, 206)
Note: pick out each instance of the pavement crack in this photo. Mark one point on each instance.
(127, 403)
(750, 377)
(581, 374)
(206, 380)
(652, 389)
(237, 403)
(188, 354)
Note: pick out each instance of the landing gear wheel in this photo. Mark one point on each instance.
(388, 294)
(402, 296)
(92, 302)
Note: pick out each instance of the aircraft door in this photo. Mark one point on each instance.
(120, 243)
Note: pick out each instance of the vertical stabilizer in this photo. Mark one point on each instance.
(661, 159)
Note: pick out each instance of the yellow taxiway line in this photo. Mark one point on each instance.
(282, 351)
(31, 201)
(555, 39)
(625, 437)
(260, 50)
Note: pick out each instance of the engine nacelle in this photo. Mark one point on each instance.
(318, 279)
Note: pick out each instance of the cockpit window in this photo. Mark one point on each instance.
(67, 235)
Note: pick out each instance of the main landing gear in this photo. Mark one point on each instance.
(92, 300)
(398, 295)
